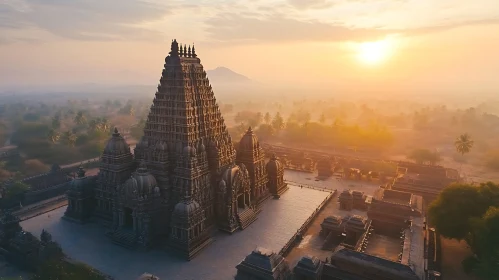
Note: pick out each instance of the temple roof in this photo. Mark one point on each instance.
(141, 183)
(385, 267)
(274, 165)
(264, 259)
(249, 141)
(116, 145)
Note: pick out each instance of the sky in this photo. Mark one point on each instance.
(434, 45)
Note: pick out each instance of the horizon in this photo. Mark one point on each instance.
(346, 45)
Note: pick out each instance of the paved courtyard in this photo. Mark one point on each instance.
(275, 225)
(311, 244)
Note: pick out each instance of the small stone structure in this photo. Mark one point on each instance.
(263, 264)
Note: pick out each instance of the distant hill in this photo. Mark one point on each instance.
(223, 75)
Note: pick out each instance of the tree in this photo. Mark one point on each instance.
(463, 145)
(267, 118)
(80, 118)
(278, 122)
(56, 122)
(424, 156)
(53, 135)
(451, 212)
(15, 188)
(69, 138)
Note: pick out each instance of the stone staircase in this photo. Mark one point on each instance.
(245, 217)
(124, 238)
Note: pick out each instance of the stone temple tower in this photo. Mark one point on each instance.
(195, 147)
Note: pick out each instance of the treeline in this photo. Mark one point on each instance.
(471, 213)
(299, 129)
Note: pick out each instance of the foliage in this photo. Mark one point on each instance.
(249, 118)
(455, 206)
(62, 270)
(80, 118)
(267, 118)
(15, 189)
(424, 156)
(278, 122)
(53, 135)
(33, 167)
(463, 144)
(27, 131)
(69, 138)
(472, 213)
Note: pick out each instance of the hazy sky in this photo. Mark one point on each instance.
(433, 44)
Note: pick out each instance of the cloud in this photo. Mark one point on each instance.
(310, 4)
(279, 28)
(84, 19)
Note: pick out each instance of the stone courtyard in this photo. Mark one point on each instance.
(275, 225)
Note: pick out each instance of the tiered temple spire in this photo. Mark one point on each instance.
(184, 51)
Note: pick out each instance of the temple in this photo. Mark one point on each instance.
(184, 178)
(386, 238)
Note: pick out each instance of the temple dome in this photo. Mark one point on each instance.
(79, 183)
(186, 208)
(249, 140)
(274, 166)
(116, 145)
(141, 183)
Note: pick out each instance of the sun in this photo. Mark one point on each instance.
(373, 53)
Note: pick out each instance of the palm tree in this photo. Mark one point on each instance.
(463, 145)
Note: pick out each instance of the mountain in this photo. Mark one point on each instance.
(223, 75)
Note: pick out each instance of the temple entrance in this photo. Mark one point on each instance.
(240, 201)
(127, 219)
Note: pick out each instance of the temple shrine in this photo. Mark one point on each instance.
(184, 178)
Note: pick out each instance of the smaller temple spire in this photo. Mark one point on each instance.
(116, 132)
(181, 51)
(174, 48)
(81, 171)
(194, 51)
(142, 167)
(189, 51)
(185, 50)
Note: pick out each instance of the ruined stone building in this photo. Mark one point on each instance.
(184, 178)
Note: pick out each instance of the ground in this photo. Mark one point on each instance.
(275, 225)
(453, 252)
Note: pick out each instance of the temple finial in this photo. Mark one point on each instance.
(181, 50)
(185, 50)
(116, 132)
(189, 51)
(194, 51)
(249, 129)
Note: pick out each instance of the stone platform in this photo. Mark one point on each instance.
(275, 225)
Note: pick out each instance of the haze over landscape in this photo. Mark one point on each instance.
(436, 46)
(165, 126)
